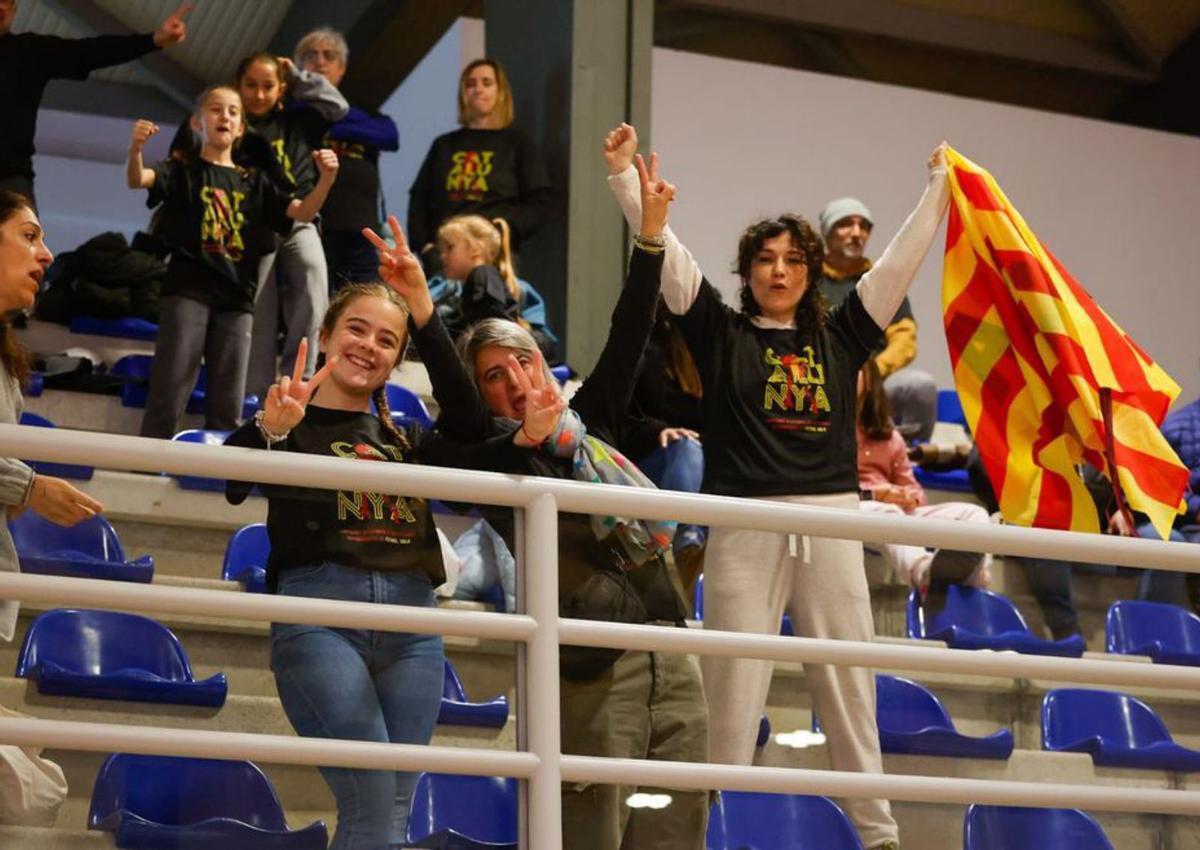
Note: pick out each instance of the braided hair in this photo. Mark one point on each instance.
(337, 306)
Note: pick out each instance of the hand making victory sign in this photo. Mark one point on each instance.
(288, 398)
(543, 402)
(657, 194)
(400, 269)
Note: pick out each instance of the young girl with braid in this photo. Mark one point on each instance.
(366, 547)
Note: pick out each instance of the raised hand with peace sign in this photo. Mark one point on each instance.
(288, 398)
(657, 194)
(400, 269)
(543, 402)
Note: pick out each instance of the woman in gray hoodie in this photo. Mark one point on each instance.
(24, 258)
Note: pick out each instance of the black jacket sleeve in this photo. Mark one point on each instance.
(464, 415)
(497, 454)
(75, 58)
(484, 295)
(247, 437)
(603, 399)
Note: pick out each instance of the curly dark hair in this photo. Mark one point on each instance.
(810, 312)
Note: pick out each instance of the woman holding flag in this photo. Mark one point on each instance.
(780, 385)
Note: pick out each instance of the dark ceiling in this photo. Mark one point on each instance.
(1132, 61)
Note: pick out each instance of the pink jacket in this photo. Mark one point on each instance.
(885, 462)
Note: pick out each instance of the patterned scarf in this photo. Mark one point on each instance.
(596, 462)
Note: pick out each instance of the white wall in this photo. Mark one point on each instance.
(1117, 205)
(81, 185)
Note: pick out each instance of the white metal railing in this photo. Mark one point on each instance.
(540, 630)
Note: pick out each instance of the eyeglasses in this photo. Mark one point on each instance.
(329, 54)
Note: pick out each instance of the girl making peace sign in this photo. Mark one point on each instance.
(366, 547)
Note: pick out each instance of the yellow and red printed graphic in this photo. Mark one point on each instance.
(1031, 353)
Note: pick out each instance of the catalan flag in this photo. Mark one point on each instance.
(1033, 356)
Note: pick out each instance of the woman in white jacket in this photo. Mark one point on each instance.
(779, 381)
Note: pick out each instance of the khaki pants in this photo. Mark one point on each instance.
(750, 579)
(646, 706)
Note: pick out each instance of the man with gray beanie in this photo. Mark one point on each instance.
(846, 226)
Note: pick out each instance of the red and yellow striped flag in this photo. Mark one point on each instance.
(1031, 352)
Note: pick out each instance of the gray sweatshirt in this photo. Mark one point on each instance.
(15, 477)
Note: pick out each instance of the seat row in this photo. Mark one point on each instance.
(158, 801)
(110, 655)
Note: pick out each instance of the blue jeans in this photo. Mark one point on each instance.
(1167, 586)
(360, 685)
(679, 467)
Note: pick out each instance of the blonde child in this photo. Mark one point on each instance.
(217, 220)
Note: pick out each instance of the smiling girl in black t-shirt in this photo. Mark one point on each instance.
(353, 545)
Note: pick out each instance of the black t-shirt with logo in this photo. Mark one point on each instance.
(779, 407)
(217, 221)
(492, 173)
(371, 531)
(288, 135)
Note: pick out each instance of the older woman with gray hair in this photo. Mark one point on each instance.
(625, 704)
(358, 139)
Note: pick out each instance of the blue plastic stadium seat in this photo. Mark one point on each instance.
(1167, 633)
(207, 438)
(741, 819)
(200, 394)
(1014, 828)
(949, 479)
(913, 721)
(126, 328)
(1117, 730)
(45, 467)
(89, 549)
(110, 655)
(980, 619)
(246, 557)
(949, 408)
(35, 386)
(158, 802)
(135, 369)
(561, 373)
(404, 403)
(463, 812)
(457, 710)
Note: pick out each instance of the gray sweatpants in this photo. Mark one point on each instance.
(750, 579)
(293, 291)
(187, 332)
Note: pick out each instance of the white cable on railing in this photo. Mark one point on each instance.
(892, 786)
(196, 601)
(140, 453)
(273, 749)
(887, 656)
